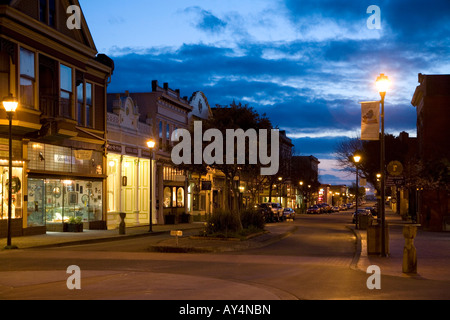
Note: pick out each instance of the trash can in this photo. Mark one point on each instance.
(364, 221)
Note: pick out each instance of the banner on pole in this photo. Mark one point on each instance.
(370, 121)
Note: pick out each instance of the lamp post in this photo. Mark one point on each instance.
(357, 159)
(280, 180)
(302, 194)
(10, 104)
(151, 145)
(382, 86)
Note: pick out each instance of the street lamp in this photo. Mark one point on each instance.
(10, 104)
(383, 84)
(151, 145)
(357, 159)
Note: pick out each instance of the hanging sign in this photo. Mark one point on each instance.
(370, 121)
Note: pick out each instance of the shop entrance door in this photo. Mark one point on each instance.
(36, 203)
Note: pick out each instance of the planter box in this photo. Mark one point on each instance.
(169, 219)
(73, 227)
(185, 218)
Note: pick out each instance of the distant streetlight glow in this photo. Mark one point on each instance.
(151, 144)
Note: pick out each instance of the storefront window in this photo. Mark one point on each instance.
(16, 212)
(180, 197)
(54, 201)
(173, 197)
(167, 197)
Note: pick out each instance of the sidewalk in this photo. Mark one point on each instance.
(433, 252)
(169, 244)
(58, 239)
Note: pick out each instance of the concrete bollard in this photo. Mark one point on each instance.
(122, 226)
(409, 252)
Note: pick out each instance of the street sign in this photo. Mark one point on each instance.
(395, 181)
(176, 233)
(395, 168)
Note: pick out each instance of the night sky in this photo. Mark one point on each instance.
(306, 64)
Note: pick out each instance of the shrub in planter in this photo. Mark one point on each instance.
(75, 224)
(252, 219)
(223, 221)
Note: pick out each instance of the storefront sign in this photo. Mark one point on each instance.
(83, 154)
(115, 148)
(130, 150)
(61, 158)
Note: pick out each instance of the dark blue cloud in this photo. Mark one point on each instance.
(306, 85)
(207, 21)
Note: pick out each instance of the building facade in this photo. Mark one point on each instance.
(203, 191)
(59, 128)
(166, 111)
(432, 102)
(128, 160)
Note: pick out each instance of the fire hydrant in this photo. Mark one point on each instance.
(410, 252)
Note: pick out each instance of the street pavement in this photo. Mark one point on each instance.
(433, 250)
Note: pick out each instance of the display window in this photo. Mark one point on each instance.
(16, 194)
(54, 201)
(173, 197)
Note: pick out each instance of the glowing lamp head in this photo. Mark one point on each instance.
(357, 159)
(151, 144)
(10, 103)
(383, 83)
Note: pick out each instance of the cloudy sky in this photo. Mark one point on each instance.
(305, 63)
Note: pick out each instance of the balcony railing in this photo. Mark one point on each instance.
(53, 107)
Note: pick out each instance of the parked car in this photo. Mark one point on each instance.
(335, 209)
(267, 212)
(324, 207)
(277, 210)
(359, 213)
(372, 210)
(288, 213)
(313, 210)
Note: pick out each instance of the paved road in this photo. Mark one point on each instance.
(314, 262)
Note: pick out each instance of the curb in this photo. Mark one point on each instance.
(97, 240)
(223, 248)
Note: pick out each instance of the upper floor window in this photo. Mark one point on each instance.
(66, 91)
(27, 78)
(47, 12)
(160, 135)
(5, 66)
(85, 110)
